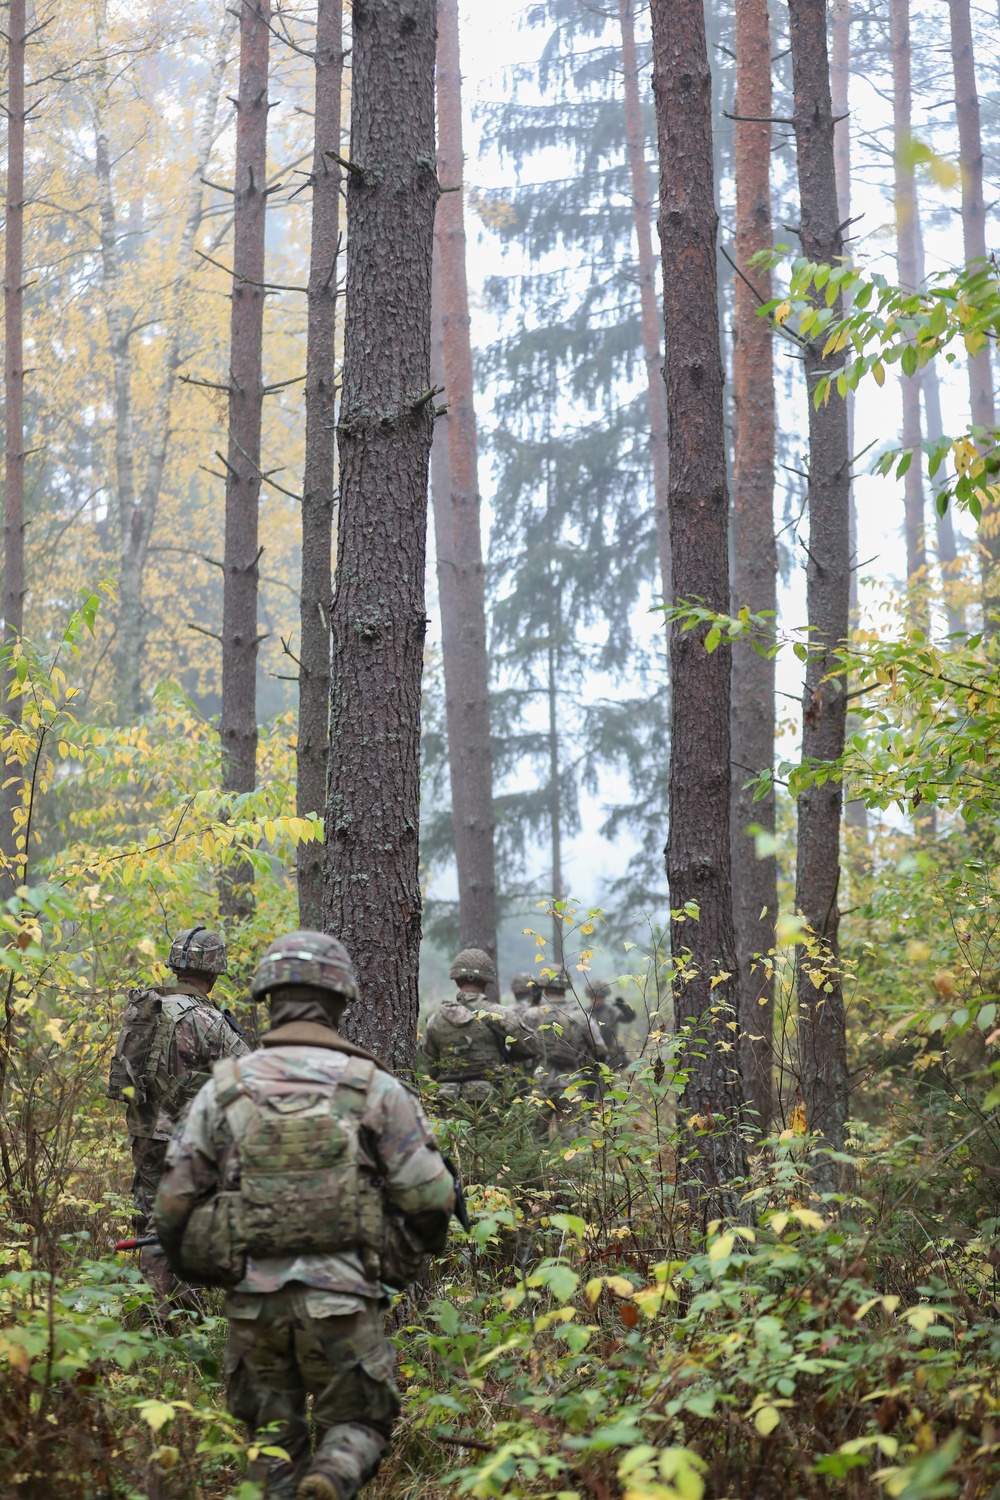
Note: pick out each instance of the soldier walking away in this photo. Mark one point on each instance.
(469, 1042)
(170, 1037)
(293, 1176)
(609, 1015)
(570, 1041)
(524, 989)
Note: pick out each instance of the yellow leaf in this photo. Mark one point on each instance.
(721, 1248)
(808, 1218)
(800, 1122)
(766, 1420)
(878, 370)
(816, 977)
(782, 313)
(778, 1222)
(920, 1318)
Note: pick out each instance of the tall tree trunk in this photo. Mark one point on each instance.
(137, 507)
(238, 717)
(755, 555)
(372, 877)
(948, 559)
(908, 272)
(320, 457)
(697, 852)
(642, 209)
(466, 668)
(555, 793)
(840, 81)
(821, 1020)
(855, 813)
(13, 534)
(970, 151)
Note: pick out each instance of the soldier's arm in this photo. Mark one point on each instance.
(598, 1043)
(411, 1166)
(432, 1048)
(522, 1043)
(192, 1171)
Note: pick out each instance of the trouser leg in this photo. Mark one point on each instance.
(264, 1386)
(171, 1294)
(347, 1366)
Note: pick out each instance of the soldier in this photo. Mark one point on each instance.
(570, 1041)
(469, 1042)
(609, 1015)
(170, 1038)
(523, 988)
(281, 1183)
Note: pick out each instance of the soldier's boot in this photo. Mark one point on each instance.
(347, 1456)
(319, 1487)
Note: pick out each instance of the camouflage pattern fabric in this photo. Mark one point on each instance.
(570, 1043)
(609, 1015)
(467, 1040)
(191, 1034)
(397, 1146)
(296, 1343)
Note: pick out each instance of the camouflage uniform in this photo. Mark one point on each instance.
(570, 1043)
(308, 1134)
(189, 1032)
(609, 1015)
(469, 1043)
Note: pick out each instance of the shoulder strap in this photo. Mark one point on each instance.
(228, 1083)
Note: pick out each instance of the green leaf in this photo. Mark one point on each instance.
(712, 639)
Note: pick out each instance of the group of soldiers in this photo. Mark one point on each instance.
(304, 1178)
(471, 1046)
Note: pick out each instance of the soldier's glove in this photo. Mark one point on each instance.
(430, 1227)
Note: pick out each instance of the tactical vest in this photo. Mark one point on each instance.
(144, 1043)
(563, 1034)
(304, 1188)
(470, 1046)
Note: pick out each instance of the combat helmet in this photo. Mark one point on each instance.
(197, 950)
(523, 986)
(554, 979)
(473, 964)
(307, 958)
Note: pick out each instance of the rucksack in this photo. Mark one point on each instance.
(130, 1068)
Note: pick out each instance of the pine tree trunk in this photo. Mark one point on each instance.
(697, 852)
(320, 456)
(947, 550)
(466, 668)
(13, 578)
(238, 717)
(635, 144)
(821, 1020)
(755, 557)
(970, 151)
(907, 269)
(372, 878)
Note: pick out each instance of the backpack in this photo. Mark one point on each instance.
(303, 1187)
(130, 1068)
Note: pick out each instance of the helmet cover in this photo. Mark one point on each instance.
(474, 964)
(308, 958)
(197, 950)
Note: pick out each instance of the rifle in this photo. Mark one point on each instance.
(137, 1244)
(461, 1211)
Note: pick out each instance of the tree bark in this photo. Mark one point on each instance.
(948, 559)
(908, 272)
(372, 879)
(755, 556)
(698, 851)
(466, 668)
(320, 456)
(13, 577)
(238, 717)
(642, 209)
(840, 81)
(137, 508)
(970, 152)
(821, 1020)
